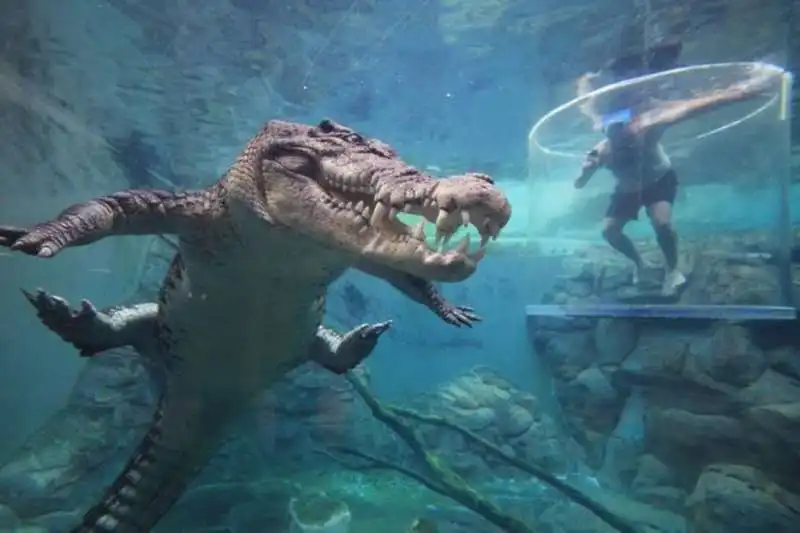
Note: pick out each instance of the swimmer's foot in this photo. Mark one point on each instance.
(673, 281)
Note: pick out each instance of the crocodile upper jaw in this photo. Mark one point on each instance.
(346, 192)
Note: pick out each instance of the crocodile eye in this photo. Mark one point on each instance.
(484, 177)
(326, 126)
(354, 138)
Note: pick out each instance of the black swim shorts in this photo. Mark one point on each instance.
(626, 205)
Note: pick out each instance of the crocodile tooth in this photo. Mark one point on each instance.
(442, 238)
(379, 214)
(493, 230)
(465, 218)
(349, 205)
(419, 231)
(360, 206)
(393, 213)
(373, 244)
(365, 212)
(408, 208)
(383, 195)
(441, 218)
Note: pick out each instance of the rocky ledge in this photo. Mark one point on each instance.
(696, 417)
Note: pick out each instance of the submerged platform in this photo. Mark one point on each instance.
(665, 311)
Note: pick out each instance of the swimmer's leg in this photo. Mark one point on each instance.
(661, 217)
(614, 235)
(622, 208)
(659, 209)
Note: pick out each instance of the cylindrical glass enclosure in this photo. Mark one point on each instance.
(703, 147)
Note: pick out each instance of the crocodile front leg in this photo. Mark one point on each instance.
(424, 292)
(342, 353)
(92, 331)
(132, 212)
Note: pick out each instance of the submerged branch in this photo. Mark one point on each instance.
(450, 483)
(376, 462)
(571, 492)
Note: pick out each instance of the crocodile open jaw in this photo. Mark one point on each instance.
(372, 207)
(347, 191)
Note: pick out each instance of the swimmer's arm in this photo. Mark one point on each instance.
(679, 111)
(591, 163)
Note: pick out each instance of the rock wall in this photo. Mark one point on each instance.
(694, 416)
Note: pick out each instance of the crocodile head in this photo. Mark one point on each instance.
(344, 191)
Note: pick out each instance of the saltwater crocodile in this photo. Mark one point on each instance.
(258, 249)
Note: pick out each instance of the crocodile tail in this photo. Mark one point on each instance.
(151, 482)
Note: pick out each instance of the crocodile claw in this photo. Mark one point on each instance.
(459, 315)
(11, 234)
(373, 331)
(358, 343)
(82, 328)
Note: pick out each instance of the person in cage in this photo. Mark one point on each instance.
(633, 123)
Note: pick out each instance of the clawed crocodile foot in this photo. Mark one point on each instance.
(358, 344)
(83, 328)
(11, 234)
(41, 240)
(460, 315)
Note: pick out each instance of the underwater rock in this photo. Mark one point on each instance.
(770, 388)
(491, 406)
(566, 355)
(710, 392)
(785, 360)
(570, 518)
(591, 399)
(727, 356)
(8, 520)
(688, 441)
(652, 473)
(781, 420)
(423, 525)
(655, 483)
(658, 357)
(742, 285)
(319, 513)
(741, 499)
(64, 463)
(614, 340)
